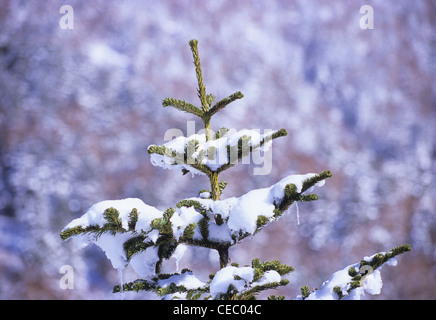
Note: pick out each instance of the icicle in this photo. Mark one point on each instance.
(178, 254)
(298, 212)
(177, 264)
(120, 278)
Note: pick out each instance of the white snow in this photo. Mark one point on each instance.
(226, 277)
(244, 279)
(269, 276)
(392, 262)
(371, 283)
(220, 233)
(242, 213)
(222, 207)
(94, 216)
(297, 179)
(239, 214)
(146, 214)
(213, 153)
(186, 279)
(169, 163)
(144, 262)
(182, 218)
(340, 278)
(112, 245)
(204, 195)
(153, 235)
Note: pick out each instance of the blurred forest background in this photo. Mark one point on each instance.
(78, 109)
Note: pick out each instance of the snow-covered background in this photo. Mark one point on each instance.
(78, 109)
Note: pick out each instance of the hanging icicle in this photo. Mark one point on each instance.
(120, 279)
(298, 212)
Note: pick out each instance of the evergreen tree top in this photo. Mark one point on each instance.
(137, 234)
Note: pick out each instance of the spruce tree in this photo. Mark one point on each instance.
(133, 233)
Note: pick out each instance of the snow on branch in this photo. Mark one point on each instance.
(354, 280)
(245, 215)
(232, 282)
(132, 232)
(201, 156)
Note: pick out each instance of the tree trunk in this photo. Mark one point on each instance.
(224, 256)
